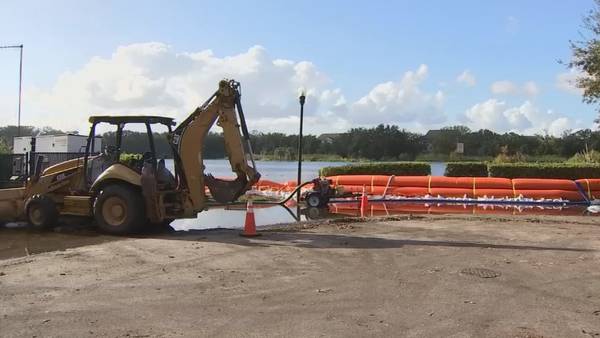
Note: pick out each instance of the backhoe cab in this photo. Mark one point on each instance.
(123, 192)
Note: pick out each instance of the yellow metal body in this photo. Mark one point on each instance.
(77, 205)
(56, 181)
(117, 172)
(221, 110)
(12, 203)
(65, 182)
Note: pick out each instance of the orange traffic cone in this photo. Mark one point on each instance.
(364, 203)
(250, 223)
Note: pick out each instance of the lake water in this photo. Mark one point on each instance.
(279, 171)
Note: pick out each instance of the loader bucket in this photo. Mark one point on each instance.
(225, 191)
(12, 202)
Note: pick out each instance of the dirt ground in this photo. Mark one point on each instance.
(434, 276)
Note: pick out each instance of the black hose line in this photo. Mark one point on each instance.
(281, 202)
(285, 200)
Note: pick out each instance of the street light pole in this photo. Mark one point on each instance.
(20, 83)
(20, 90)
(302, 99)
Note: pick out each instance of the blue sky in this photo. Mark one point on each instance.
(355, 47)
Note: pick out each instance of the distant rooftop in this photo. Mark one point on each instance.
(132, 119)
(329, 137)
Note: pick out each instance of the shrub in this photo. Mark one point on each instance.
(506, 158)
(130, 159)
(4, 147)
(545, 158)
(586, 156)
(388, 168)
(544, 170)
(469, 169)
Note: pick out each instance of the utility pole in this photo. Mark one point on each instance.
(302, 99)
(20, 81)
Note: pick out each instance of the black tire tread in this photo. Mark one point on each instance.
(48, 207)
(136, 209)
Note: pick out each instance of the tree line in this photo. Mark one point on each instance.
(380, 143)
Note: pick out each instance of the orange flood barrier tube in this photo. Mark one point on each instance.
(544, 184)
(591, 187)
(470, 187)
(456, 187)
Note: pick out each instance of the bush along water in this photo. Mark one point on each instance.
(466, 169)
(387, 168)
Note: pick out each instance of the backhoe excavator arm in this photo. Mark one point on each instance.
(188, 140)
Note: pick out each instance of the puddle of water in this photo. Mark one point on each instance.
(234, 219)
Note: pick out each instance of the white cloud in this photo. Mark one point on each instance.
(401, 102)
(9, 108)
(467, 78)
(152, 79)
(526, 118)
(567, 82)
(512, 24)
(530, 88)
(506, 87)
(503, 87)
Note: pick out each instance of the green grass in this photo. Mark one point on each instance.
(451, 158)
(309, 158)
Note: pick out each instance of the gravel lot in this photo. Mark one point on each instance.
(433, 276)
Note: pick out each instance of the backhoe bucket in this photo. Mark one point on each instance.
(12, 204)
(225, 191)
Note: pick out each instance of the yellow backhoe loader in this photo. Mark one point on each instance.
(124, 196)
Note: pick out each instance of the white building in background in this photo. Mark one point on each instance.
(66, 143)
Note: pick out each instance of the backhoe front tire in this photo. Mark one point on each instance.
(41, 212)
(119, 210)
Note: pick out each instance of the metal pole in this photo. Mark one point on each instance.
(302, 100)
(20, 90)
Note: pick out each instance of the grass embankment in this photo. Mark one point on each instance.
(309, 158)
(451, 158)
(464, 158)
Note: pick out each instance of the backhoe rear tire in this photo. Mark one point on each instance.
(41, 212)
(119, 210)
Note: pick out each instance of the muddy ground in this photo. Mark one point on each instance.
(434, 276)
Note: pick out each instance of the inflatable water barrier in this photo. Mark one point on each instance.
(455, 189)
